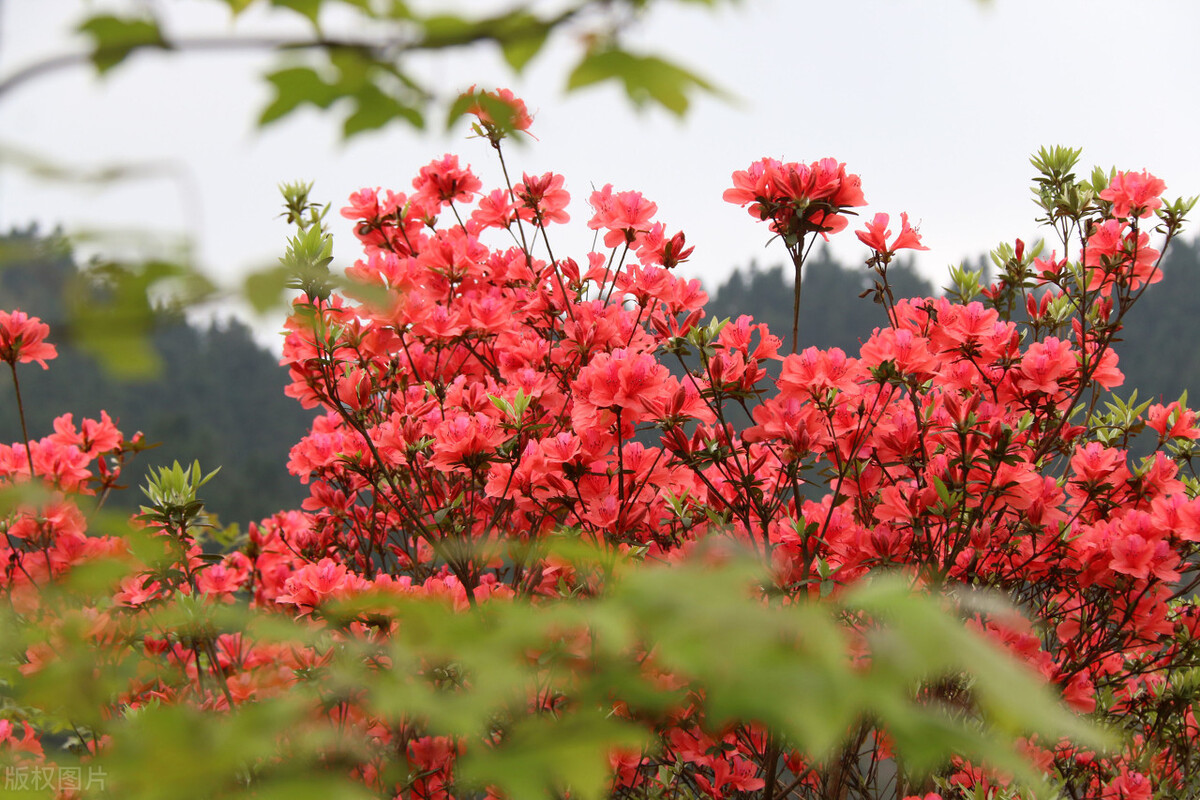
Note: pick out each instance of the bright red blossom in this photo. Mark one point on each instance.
(1134, 194)
(22, 339)
(798, 197)
(543, 199)
(443, 182)
(623, 214)
(513, 116)
(875, 235)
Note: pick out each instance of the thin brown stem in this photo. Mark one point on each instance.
(21, 412)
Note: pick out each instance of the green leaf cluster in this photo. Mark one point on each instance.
(367, 73)
(115, 38)
(472, 675)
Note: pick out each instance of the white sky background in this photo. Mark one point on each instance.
(936, 105)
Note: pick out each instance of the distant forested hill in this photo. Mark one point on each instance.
(219, 398)
(1159, 349)
(831, 312)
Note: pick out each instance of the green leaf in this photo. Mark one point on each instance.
(264, 289)
(448, 30)
(238, 6)
(360, 78)
(313, 787)
(398, 9)
(178, 752)
(520, 34)
(501, 115)
(112, 318)
(943, 493)
(528, 36)
(374, 108)
(502, 405)
(646, 78)
(353, 65)
(925, 641)
(114, 38)
(542, 757)
(310, 9)
(294, 87)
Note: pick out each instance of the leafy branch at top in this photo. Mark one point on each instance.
(367, 72)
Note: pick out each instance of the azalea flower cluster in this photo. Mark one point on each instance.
(798, 198)
(479, 394)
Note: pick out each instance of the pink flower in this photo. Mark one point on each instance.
(94, 438)
(624, 215)
(909, 352)
(1132, 555)
(653, 247)
(1128, 786)
(1113, 254)
(543, 199)
(443, 181)
(1080, 693)
(1134, 193)
(22, 339)
(1173, 421)
(465, 441)
(495, 210)
(1046, 363)
(799, 198)
(503, 102)
(137, 590)
(312, 584)
(28, 743)
(875, 235)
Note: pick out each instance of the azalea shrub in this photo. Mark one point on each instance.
(528, 472)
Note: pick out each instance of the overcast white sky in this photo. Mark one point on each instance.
(937, 105)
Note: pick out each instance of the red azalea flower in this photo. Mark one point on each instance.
(22, 339)
(1135, 194)
(875, 235)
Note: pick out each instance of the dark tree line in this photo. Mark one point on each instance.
(218, 398)
(1160, 347)
(832, 312)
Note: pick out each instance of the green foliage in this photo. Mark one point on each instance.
(367, 74)
(646, 79)
(295, 86)
(377, 92)
(172, 494)
(543, 756)
(112, 311)
(115, 38)
(519, 33)
(471, 675)
(177, 753)
(238, 6)
(1057, 192)
(306, 8)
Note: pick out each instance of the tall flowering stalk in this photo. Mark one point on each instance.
(798, 199)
